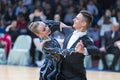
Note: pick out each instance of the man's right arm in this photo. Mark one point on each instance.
(62, 25)
(53, 25)
(58, 26)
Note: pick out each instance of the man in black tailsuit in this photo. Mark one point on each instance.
(72, 67)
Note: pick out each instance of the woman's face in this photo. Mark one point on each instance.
(108, 13)
(43, 30)
(57, 17)
(14, 24)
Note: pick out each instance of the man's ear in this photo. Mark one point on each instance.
(84, 23)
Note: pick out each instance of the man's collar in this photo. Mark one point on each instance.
(78, 32)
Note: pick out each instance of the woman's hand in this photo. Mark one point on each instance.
(42, 43)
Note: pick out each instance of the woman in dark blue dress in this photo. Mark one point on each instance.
(54, 54)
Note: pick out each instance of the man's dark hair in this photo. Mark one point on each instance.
(88, 16)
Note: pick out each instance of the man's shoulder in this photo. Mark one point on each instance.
(86, 37)
(67, 30)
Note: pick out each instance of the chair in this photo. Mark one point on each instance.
(2, 56)
(19, 54)
(88, 61)
(109, 59)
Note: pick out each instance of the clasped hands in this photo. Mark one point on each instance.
(80, 47)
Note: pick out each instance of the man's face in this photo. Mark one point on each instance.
(115, 27)
(78, 21)
(43, 30)
(14, 24)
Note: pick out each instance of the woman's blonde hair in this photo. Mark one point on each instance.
(33, 26)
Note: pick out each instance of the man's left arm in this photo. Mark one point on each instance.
(91, 48)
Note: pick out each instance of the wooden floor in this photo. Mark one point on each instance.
(32, 73)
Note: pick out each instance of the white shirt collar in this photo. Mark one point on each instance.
(76, 35)
(80, 34)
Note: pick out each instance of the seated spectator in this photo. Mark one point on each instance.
(80, 6)
(21, 24)
(60, 10)
(106, 22)
(118, 16)
(70, 15)
(37, 15)
(13, 30)
(9, 15)
(2, 26)
(111, 39)
(5, 42)
(92, 7)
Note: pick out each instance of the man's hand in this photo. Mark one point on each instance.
(117, 44)
(102, 49)
(80, 47)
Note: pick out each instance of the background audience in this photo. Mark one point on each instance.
(111, 39)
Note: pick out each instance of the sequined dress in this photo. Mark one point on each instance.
(54, 56)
